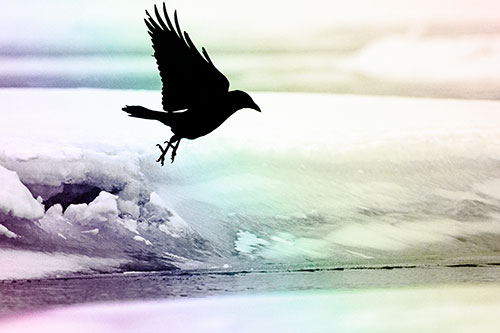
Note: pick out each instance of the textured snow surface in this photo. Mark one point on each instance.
(319, 179)
(73, 185)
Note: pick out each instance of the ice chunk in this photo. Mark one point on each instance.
(104, 208)
(16, 199)
(6, 232)
(91, 231)
(142, 239)
(129, 224)
(128, 207)
(76, 212)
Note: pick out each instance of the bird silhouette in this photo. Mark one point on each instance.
(195, 94)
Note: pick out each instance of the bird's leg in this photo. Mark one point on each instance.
(161, 159)
(174, 150)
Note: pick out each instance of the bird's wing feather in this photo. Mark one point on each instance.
(188, 77)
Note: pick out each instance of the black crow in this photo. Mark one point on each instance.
(191, 84)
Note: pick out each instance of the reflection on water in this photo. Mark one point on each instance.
(25, 295)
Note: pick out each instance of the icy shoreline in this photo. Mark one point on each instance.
(344, 179)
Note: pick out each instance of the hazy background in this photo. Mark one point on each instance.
(389, 47)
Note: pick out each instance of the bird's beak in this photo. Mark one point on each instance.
(255, 107)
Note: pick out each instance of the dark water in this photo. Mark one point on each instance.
(28, 295)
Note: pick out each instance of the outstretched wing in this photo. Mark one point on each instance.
(187, 76)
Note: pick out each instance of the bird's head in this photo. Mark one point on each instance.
(242, 100)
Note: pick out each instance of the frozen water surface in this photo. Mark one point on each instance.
(344, 180)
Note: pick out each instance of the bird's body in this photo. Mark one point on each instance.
(195, 93)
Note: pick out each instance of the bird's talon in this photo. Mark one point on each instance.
(161, 159)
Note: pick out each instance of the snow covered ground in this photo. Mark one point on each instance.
(313, 178)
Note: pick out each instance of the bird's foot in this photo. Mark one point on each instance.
(161, 159)
(172, 157)
(174, 151)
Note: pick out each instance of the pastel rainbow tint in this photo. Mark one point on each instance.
(406, 48)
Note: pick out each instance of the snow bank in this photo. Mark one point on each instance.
(311, 178)
(94, 197)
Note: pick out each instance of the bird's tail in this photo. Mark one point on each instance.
(141, 112)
